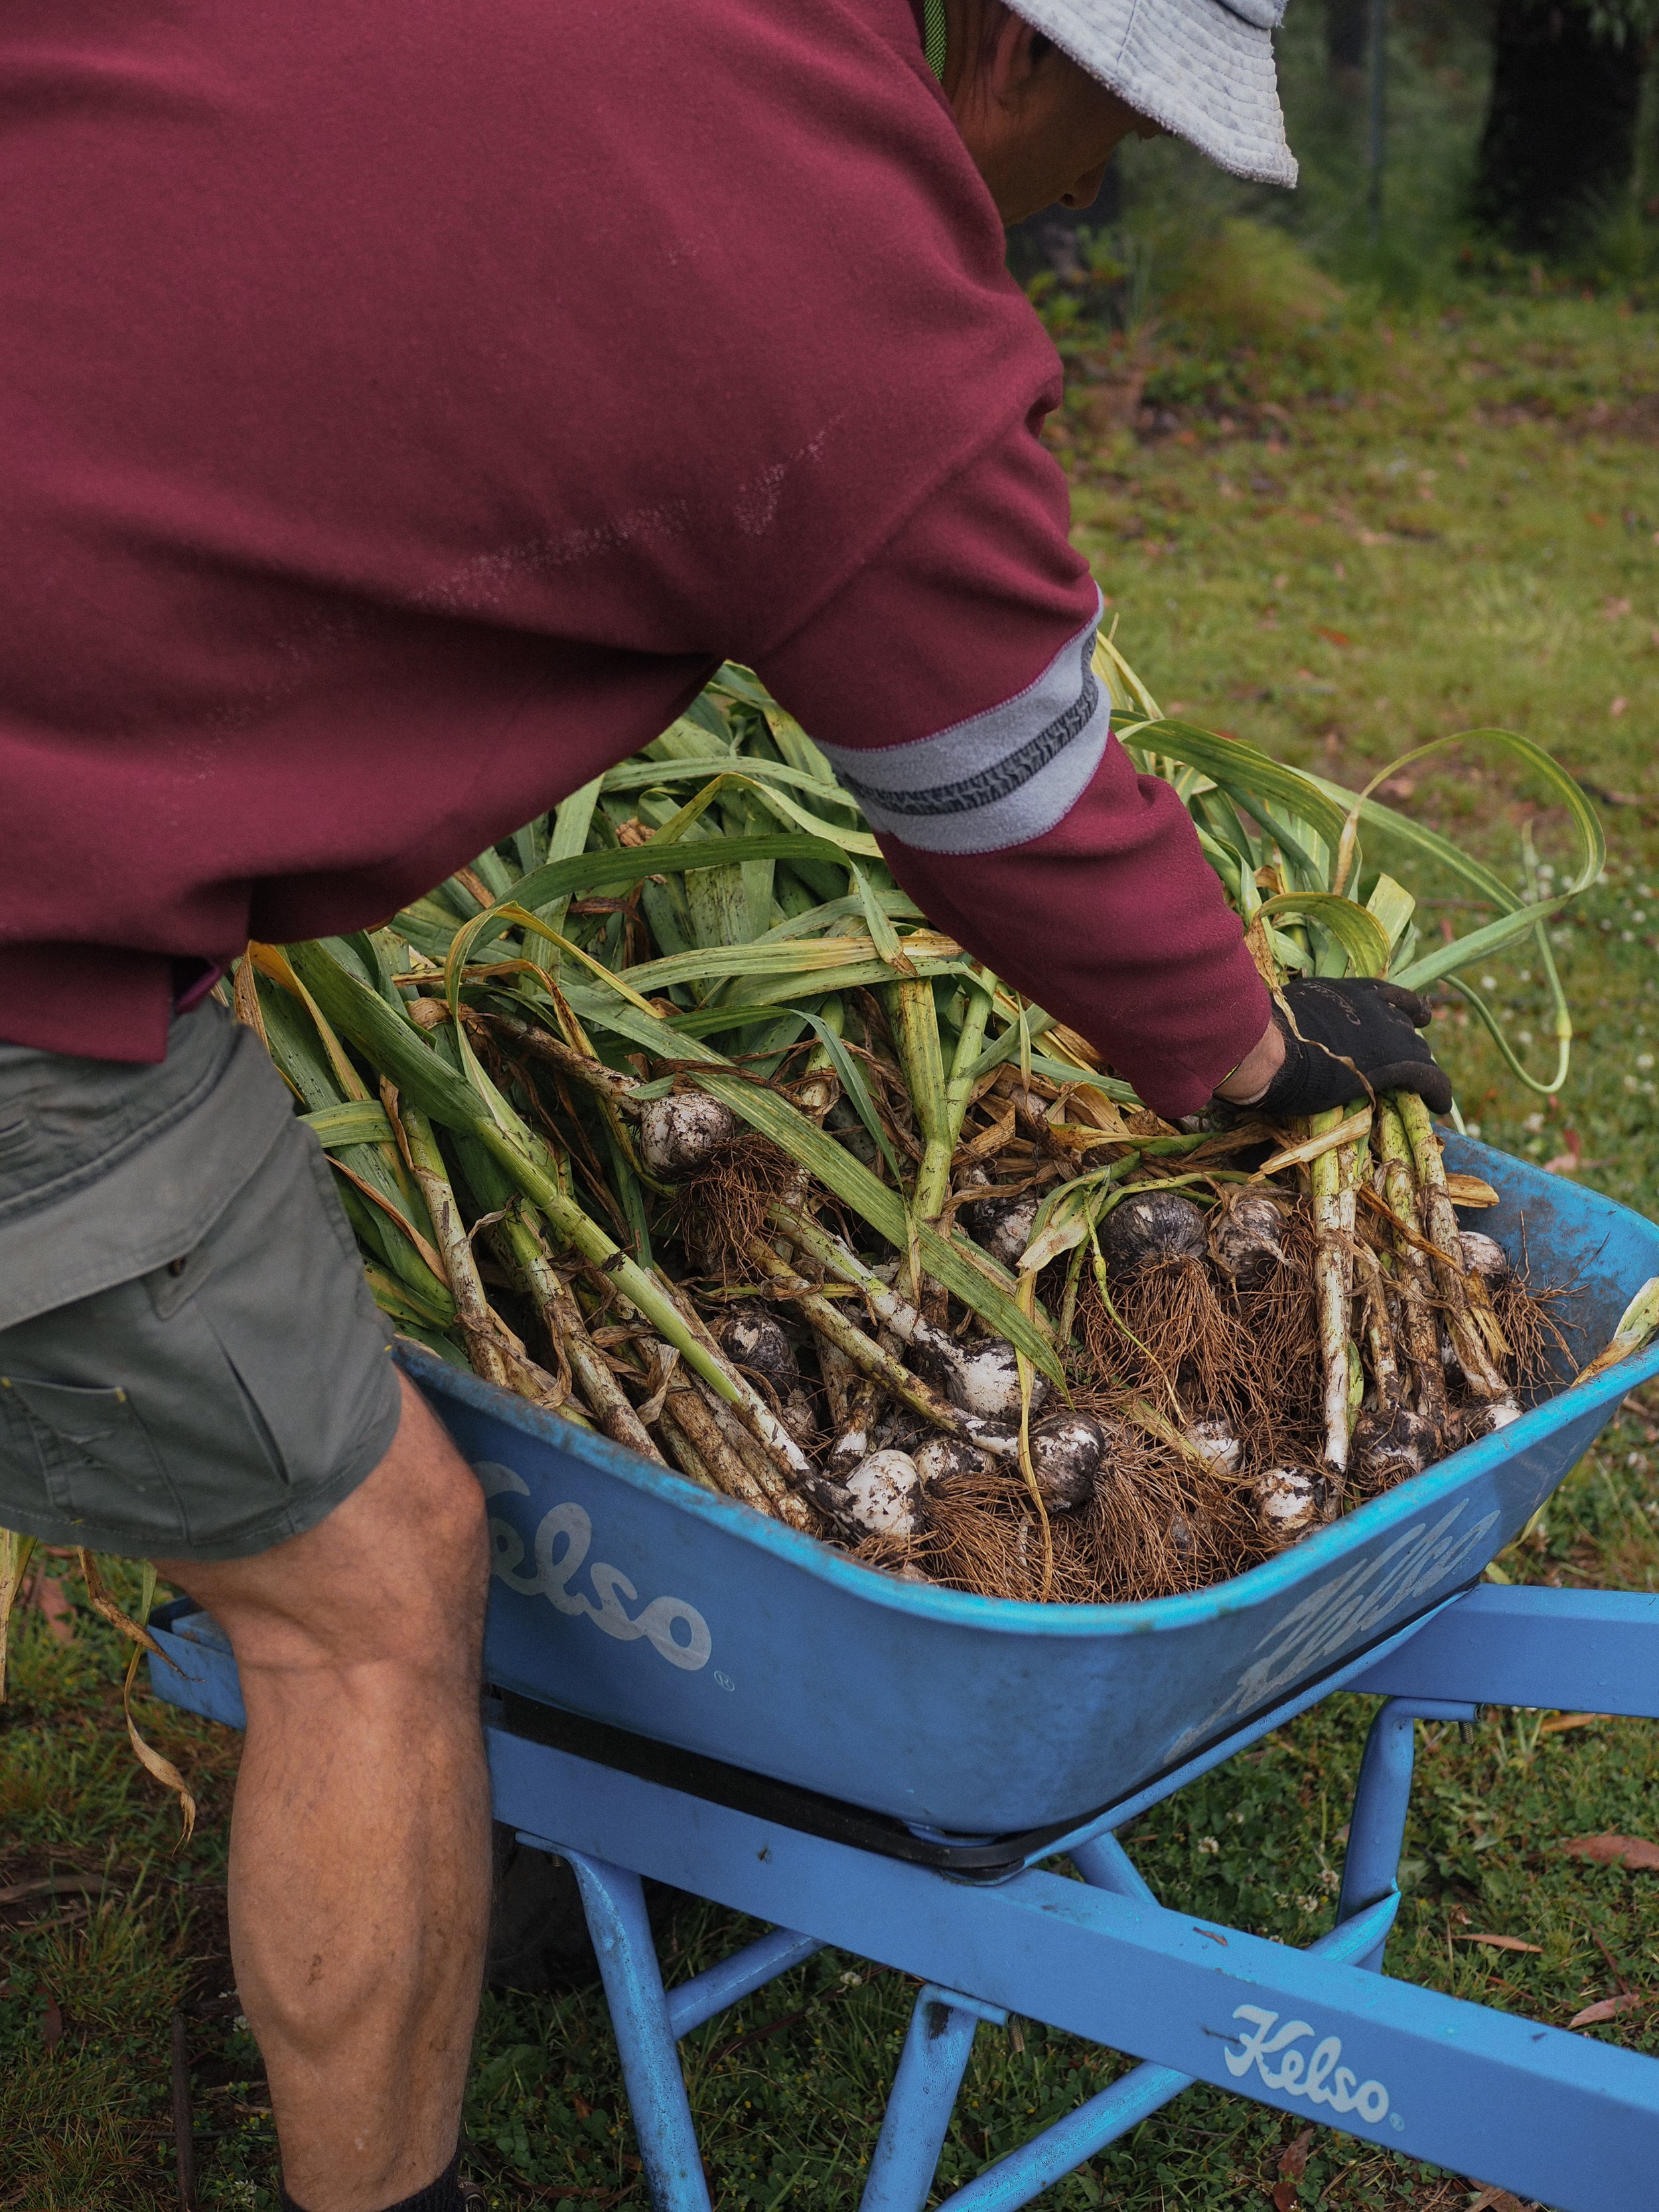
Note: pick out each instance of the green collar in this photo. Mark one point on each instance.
(934, 36)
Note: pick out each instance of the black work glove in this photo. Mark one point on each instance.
(1373, 1025)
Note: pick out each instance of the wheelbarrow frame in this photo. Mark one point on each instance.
(1322, 2033)
(617, 1741)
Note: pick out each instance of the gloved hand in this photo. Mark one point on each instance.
(1371, 1024)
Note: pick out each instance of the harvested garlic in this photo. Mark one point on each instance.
(1287, 1499)
(682, 1133)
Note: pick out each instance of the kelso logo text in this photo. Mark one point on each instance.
(1315, 2075)
(562, 1540)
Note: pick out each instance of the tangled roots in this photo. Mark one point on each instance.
(1152, 1527)
(722, 1205)
(1173, 1333)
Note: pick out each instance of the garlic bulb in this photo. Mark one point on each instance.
(884, 1492)
(1483, 1256)
(753, 1339)
(938, 1458)
(1287, 1499)
(1247, 1239)
(1152, 1226)
(1387, 1447)
(1067, 1455)
(1002, 1225)
(1497, 1415)
(982, 1376)
(1217, 1446)
(682, 1133)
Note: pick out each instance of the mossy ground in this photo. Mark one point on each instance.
(1468, 535)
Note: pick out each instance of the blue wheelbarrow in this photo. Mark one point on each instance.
(684, 1691)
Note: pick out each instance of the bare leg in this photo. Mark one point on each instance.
(360, 1843)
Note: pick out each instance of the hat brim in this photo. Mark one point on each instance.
(1191, 65)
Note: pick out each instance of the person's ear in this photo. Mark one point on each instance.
(1015, 59)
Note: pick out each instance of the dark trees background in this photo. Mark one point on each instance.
(1560, 140)
(1347, 37)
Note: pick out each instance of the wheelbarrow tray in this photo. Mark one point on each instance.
(626, 1595)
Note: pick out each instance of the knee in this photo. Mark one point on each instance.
(394, 1577)
(430, 1560)
(453, 1543)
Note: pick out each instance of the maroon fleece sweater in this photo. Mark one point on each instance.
(403, 411)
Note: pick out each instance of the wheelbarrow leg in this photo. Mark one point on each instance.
(1376, 1831)
(1105, 1864)
(617, 1918)
(935, 2057)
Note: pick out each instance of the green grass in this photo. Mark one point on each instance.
(1472, 539)
(1443, 522)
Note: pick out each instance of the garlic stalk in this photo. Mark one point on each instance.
(1332, 1190)
(1440, 1226)
(862, 1351)
(982, 1376)
(1411, 1263)
(495, 1352)
(519, 1241)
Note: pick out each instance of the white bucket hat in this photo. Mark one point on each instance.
(1204, 69)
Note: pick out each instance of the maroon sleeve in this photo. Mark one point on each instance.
(949, 683)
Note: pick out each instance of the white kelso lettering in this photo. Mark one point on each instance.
(1315, 2075)
(556, 1569)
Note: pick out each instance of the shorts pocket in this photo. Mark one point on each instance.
(94, 1452)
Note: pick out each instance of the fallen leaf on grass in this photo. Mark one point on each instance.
(1495, 2200)
(51, 1599)
(1293, 2159)
(51, 2025)
(1499, 1942)
(1608, 2008)
(1571, 1721)
(1634, 1852)
(1334, 636)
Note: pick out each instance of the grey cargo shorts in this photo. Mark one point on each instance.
(191, 1365)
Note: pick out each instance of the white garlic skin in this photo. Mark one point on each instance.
(1483, 1256)
(1005, 1228)
(850, 1448)
(984, 1379)
(1498, 1415)
(941, 1457)
(681, 1133)
(1287, 1499)
(1217, 1446)
(883, 1493)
